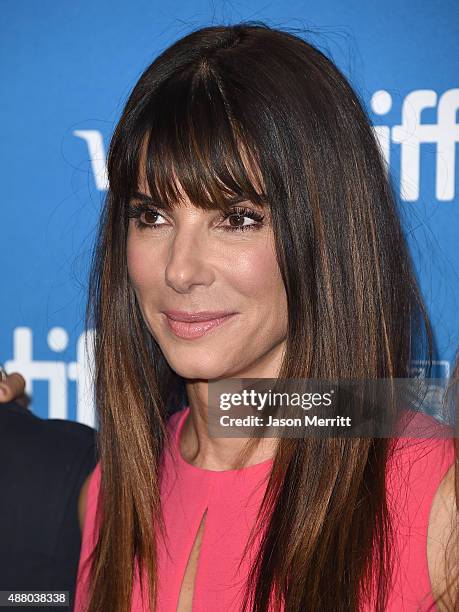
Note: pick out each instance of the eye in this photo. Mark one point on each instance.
(151, 218)
(237, 218)
(145, 216)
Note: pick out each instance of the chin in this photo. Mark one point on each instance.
(211, 366)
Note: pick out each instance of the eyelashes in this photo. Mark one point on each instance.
(239, 213)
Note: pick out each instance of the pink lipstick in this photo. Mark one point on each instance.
(195, 324)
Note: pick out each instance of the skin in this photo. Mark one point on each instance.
(188, 261)
(191, 260)
(12, 388)
(443, 521)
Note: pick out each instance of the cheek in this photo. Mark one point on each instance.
(142, 263)
(256, 274)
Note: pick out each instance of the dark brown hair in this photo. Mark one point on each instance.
(212, 100)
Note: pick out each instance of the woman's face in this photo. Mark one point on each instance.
(192, 261)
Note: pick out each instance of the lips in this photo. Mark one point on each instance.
(202, 315)
(195, 324)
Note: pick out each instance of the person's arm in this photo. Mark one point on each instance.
(443, 537)
(82, 499)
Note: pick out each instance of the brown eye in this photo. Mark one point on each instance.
(242, 219)
(150, 217)
(145, 216)
(237, 220)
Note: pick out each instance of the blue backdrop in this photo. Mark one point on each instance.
(67, 68)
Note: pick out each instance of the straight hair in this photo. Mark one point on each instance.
(216, 107)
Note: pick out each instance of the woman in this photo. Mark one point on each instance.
(246, 186)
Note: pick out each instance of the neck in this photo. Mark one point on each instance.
(212, 453)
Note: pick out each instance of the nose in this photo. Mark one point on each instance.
(188, 262)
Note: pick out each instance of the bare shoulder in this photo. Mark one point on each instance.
(443, 539)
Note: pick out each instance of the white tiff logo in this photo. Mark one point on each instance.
(410, 134)
(57, 373)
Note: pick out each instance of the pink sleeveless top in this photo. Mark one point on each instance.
(232, 499)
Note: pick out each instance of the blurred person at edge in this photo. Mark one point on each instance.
(44, 474)
(250, 231)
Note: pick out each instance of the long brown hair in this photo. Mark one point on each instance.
(217, 95)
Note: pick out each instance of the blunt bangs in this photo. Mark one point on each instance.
(187, 142)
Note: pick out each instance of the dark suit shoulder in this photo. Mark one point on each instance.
(43, 465)
(53, 438)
